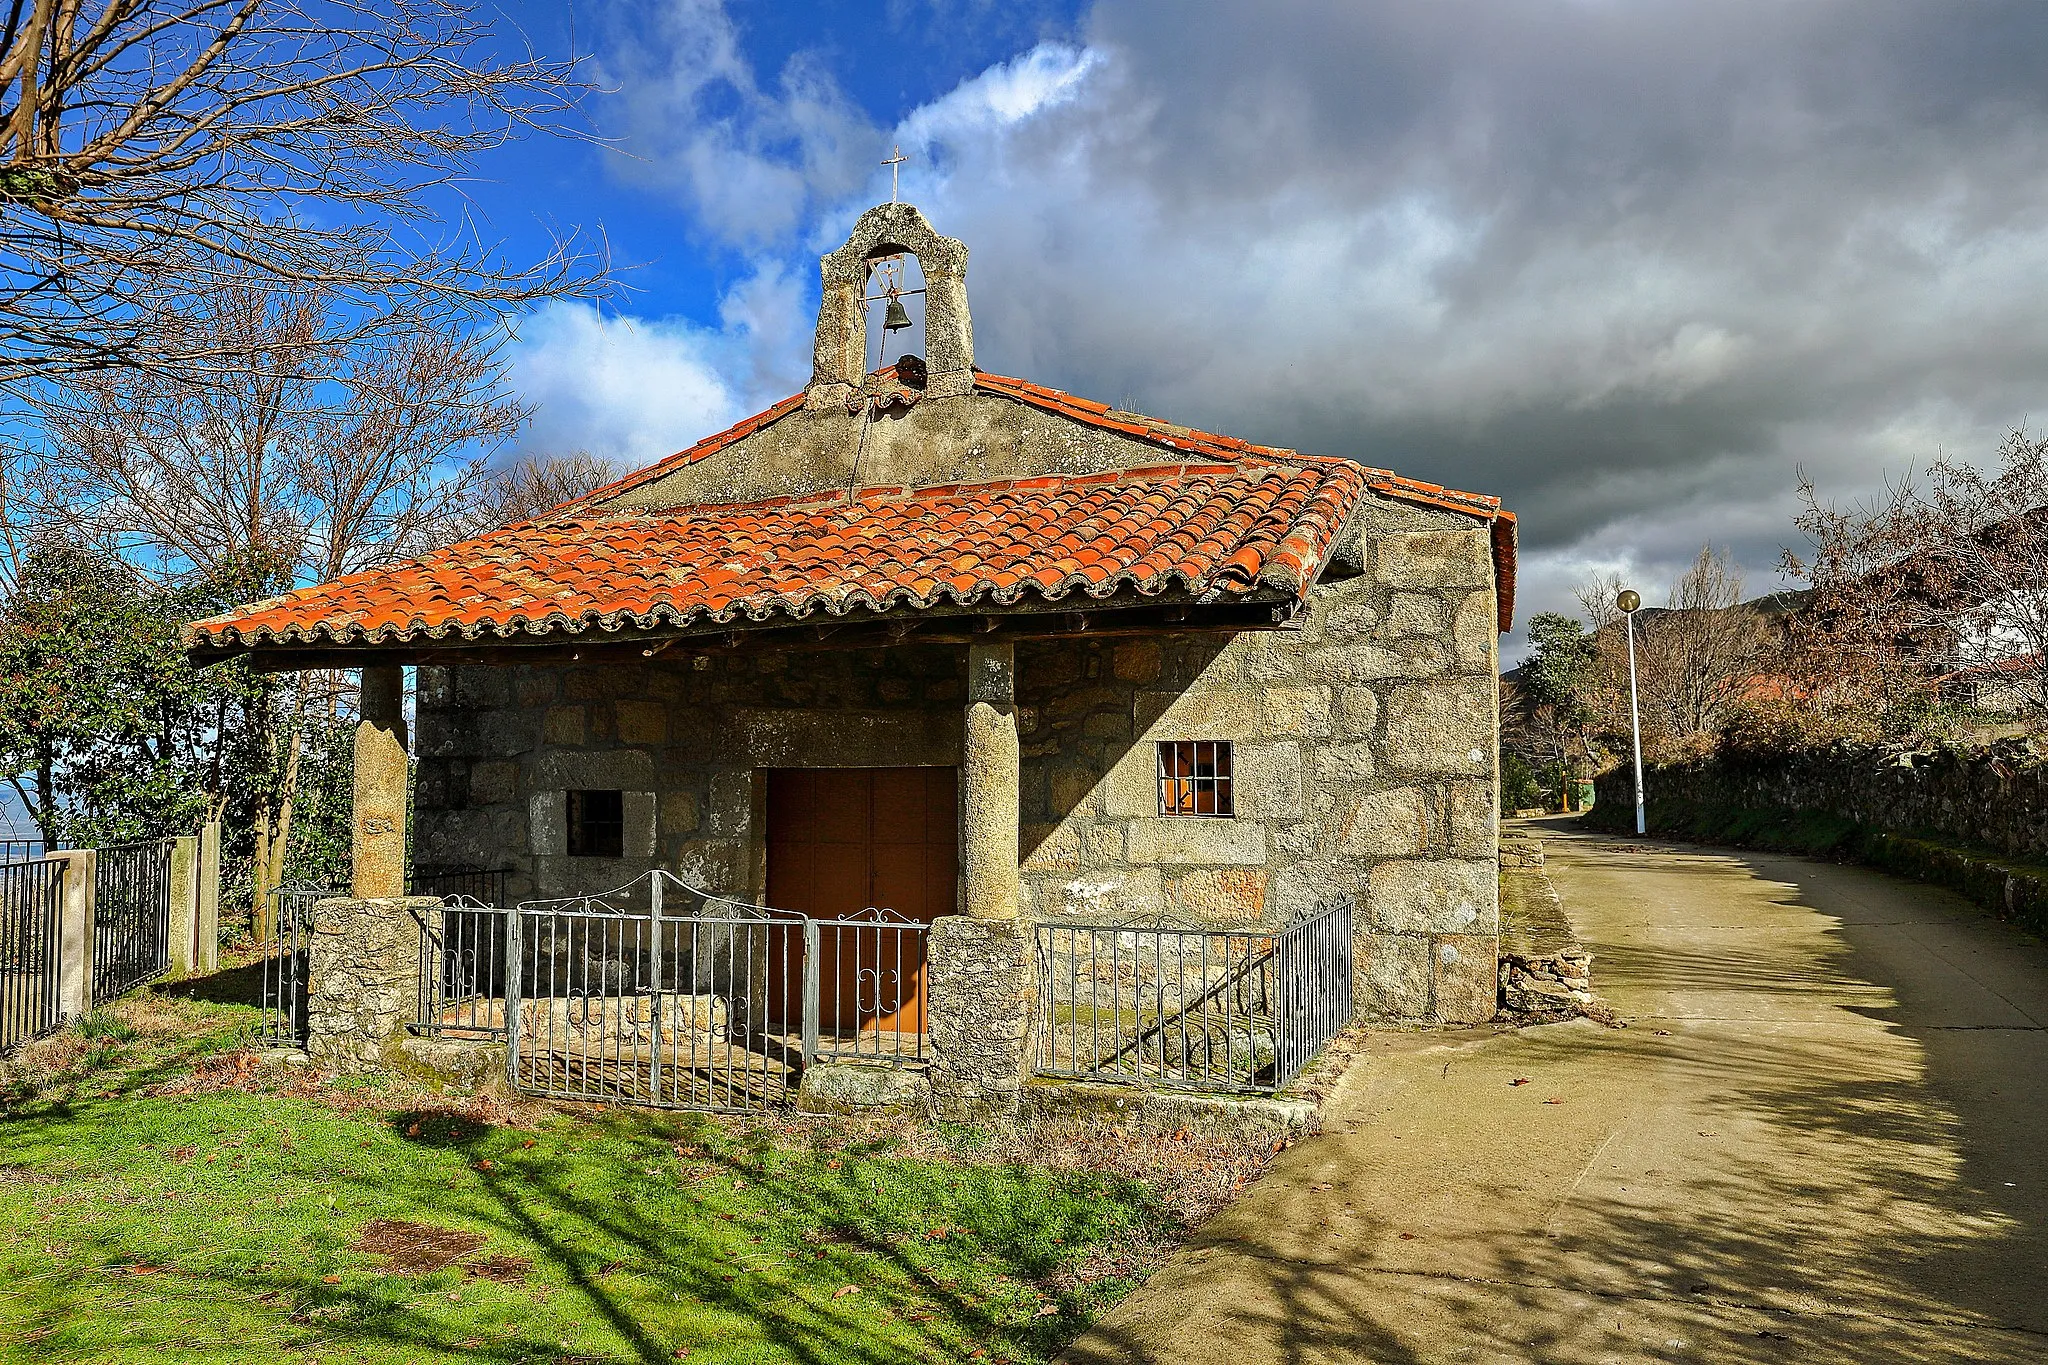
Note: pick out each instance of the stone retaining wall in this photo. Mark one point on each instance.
(1834, 804)
(1992, 796)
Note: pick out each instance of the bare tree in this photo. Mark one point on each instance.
(151, 153)
(302, 458)
(536, 484)
(1701, 654)
(1697, 657)
(1598, 599)
(1934, 578)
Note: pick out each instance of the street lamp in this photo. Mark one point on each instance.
(1629, 602)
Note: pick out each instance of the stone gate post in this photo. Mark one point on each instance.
(362, 979)
(978, 976)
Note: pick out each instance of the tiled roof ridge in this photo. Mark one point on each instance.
(884, 493)
(1086, 410)
(1151, 429)
(709, 446)
(1242, 533)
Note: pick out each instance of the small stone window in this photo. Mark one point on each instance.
(1194, 777)
(597, 824)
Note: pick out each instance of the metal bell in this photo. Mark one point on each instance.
(896, 318)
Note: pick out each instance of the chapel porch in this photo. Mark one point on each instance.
(873, 947)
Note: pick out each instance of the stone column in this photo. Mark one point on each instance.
(978, 962)
(206, 914)
(989, 768)
(380, 785)
(362, 979)
(184, 904)
(74, 933)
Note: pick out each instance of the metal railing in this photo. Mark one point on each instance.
(462, 971)
(1198, 1009)
(131, 918)
(21, 850)
(662, 994)
(865, 988)
(484, 886)
(284, 968)
(656, 994)
(31, 926)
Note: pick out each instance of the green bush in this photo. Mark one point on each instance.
(1519, 788)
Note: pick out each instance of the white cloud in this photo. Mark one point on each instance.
(751, 160)
(634, 390)
(1006, 94)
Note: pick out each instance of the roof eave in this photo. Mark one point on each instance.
(1259, 608)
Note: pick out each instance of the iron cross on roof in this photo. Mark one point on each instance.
(892, 162)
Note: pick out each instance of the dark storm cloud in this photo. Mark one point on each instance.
(1626, 264)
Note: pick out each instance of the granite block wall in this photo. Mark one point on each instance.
(1366, 764)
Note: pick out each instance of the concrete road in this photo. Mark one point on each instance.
(1822, 1136)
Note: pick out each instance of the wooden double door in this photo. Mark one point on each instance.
(846, 841)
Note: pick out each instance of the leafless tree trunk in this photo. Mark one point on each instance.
(302, 459)
(152, 153)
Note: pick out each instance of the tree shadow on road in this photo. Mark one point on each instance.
(1812, 1170)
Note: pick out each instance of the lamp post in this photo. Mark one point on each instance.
(1628, 602)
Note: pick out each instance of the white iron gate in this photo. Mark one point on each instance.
(664, 995)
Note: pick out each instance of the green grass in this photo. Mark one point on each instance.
(217, 1226)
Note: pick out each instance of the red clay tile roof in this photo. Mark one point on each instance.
(1181, 440)
(1382, 481)
(1230, 519)
(1216, 531)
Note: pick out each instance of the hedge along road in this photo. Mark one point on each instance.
(1822, 1136)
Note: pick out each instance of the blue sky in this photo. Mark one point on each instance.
(885, 59)
(1631, 266)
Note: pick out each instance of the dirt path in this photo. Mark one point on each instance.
(1823, 1136)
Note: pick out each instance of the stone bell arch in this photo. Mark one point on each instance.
(839, 357)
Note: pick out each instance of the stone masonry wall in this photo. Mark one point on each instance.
(1994, 795)
(1366, 763)
(688, 733)
(1365, 748)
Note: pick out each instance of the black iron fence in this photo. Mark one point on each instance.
(31, 925)
(1198, 1009)
(21, 850)
(482, 885)
(655, 994)
(661, 994)
(131, 917)
(865, 976)
(282, 1004)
